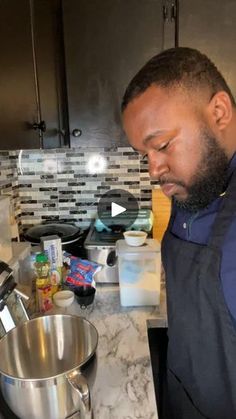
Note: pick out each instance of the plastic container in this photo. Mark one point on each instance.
(139, 273)
(20, 259)
(51, 246)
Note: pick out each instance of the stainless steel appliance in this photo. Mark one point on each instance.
(101, 248)
(45, 367)
(7, 287)
(100, 243)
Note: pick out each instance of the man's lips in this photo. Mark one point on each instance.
(169, 189)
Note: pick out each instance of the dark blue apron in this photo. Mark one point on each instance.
(201, 358)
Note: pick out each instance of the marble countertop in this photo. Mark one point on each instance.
(123, 387)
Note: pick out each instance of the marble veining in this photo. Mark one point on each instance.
(123, 387)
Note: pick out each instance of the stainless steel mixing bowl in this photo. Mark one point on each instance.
(41, 367)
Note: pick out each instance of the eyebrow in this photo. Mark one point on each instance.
(153, 134)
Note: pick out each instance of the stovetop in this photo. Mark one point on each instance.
(130, 220)
(103, 238)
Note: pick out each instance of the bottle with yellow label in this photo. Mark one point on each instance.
(43, 283)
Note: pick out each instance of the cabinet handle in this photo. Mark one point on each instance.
(165, 13)
(40, 126)
(76, 132)
(173, 12)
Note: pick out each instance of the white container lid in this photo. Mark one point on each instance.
(150, 246)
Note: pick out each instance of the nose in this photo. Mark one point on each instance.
(157, 164)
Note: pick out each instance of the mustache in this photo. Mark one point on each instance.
(164, 181)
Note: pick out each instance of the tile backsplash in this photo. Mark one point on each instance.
(67, 184)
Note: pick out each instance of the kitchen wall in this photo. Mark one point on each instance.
(66, 184)
(9, 180)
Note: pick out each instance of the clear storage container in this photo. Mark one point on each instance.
(139, 273)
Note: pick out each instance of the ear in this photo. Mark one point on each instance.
(220, 108)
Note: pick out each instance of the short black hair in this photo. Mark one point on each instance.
(186, 67)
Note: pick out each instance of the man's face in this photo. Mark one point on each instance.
(183, 154)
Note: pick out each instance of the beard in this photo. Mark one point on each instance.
(211, 176)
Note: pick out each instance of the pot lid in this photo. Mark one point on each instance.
(67, 232)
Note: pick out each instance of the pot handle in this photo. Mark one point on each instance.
(79, 383)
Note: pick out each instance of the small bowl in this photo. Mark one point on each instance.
(63, 298)
(135, 238)
(84, 295)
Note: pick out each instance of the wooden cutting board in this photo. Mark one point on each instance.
(161, 208)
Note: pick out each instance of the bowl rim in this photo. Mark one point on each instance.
(135, 233)
(70, 294)
(44, 318)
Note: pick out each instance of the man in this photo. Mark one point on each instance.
(179, 111)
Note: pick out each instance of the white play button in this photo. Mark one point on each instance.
(116, 209)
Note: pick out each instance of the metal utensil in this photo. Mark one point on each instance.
(7, 286)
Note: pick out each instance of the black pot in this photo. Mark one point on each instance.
(72, 237)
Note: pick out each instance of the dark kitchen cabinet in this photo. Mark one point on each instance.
(106, 42)
(209, 25)
(31, 75)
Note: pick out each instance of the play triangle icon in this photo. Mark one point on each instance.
(116, 209)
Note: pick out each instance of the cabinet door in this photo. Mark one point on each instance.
(18, 107)
(106, 43)
(49, 54)
(31, 75)
(209, 25)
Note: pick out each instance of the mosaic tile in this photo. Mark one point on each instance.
(58, 180)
